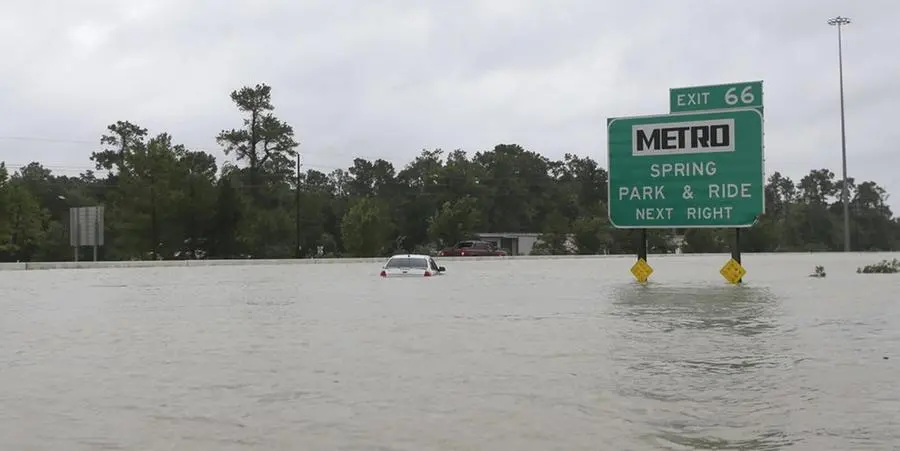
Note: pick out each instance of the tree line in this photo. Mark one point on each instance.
(166, 201)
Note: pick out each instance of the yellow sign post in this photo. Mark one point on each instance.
(641, 270)
(732, 271)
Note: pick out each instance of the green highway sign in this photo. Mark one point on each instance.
(686, 170)
(747, 94)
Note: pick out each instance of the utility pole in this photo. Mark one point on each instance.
(297, 206)
(193, 224)
(154, 231)
(845, 190)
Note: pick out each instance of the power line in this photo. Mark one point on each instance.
(56, 140)
(195, 148)
(63, 167)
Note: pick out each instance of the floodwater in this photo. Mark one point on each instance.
(566, 354)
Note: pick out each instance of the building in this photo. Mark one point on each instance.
(677, 242)
(512, 243)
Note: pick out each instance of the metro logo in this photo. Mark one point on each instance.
(683, 138)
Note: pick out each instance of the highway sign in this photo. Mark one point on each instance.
(86, 226)
(747, 94)
(686, 170)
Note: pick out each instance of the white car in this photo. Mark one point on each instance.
(411, 265)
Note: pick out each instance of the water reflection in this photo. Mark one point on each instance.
(742, 310)
(688, 357)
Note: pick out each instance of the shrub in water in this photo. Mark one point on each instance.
(882, 267)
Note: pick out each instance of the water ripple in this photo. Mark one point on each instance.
(524, 355)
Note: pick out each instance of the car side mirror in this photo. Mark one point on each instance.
(441, 269)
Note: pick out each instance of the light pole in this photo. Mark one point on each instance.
(840, 22)
(297, 251)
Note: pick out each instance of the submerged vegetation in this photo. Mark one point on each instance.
(882, 267)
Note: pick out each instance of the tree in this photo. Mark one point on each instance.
(555, 238)
(366, 227)
(22, 233)
(145, 200)
(123, 139)
(516, 186)
(6, 202)
(227, 218)
(703, 241)
(455, 221)
(265, 142)
(591, 234)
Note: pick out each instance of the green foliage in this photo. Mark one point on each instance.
(265, 142)
(166, 201)
(705, 241)
(882, 267)
(556, 239)
(454, 221)
(591, 234)
(365, 227)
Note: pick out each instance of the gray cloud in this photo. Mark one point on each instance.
(386, 79)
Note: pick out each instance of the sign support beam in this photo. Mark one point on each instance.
(736, 249)
(642, 246)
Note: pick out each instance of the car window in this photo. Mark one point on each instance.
(407, 263)
(434, 265)
(464, 244)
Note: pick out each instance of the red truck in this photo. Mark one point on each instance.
(472, 248)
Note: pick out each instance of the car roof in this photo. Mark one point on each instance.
(410, 256)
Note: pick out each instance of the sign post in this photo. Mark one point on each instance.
(748, 94)
(701, 166)
(686, 170)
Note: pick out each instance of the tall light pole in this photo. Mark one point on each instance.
(840, 22)
(297, 250)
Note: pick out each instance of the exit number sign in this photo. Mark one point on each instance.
(716, 97)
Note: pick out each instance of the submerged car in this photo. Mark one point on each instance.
(411, 265)
(473, 248)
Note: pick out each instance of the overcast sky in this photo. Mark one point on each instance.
(388, 78)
